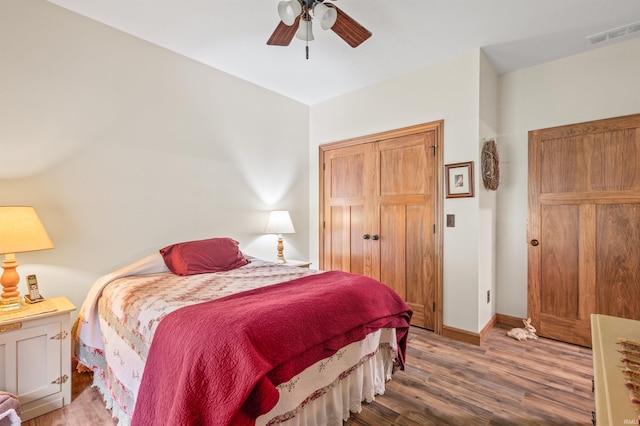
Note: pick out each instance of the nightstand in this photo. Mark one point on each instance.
(35, 355)
(298, 263)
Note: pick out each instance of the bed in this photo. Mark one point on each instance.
(199, 333)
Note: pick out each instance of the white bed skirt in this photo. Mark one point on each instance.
(336, 386)
(346, 396)
(331, 389)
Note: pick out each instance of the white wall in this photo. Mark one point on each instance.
(449, 91)
(487, 258)
(123, 147)
(599, 84)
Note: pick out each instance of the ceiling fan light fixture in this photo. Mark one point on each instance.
(305, 30)
(296, 17)
(326, 15)
(289, 10)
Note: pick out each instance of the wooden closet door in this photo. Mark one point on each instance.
(584, 226)
(348, 182)
(380, 217)
(405, 200)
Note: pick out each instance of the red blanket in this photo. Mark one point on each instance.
(217, 363)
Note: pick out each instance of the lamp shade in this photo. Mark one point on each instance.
(326, 15)
(21, 230)
(279, 223)
(305, 30)
(289, 10)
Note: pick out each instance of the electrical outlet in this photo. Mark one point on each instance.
(488, 296)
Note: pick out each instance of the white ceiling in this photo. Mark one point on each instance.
(231, 36)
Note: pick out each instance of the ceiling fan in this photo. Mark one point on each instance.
(296, 17)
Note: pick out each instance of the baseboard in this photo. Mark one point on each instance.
(461, 335)
(509, 321)
(468, 336)
(477, 338)
(484, 333)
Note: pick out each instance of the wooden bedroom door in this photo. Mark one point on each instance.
(584, 226)
(379, 214)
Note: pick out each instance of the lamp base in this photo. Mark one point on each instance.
(10, 299)
(10, 303)
(280, 258)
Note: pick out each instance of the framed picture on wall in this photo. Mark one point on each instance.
(459, 177)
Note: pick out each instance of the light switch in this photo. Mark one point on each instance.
(451, 221)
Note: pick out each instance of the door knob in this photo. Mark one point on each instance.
(535, 242)
(366, 236)
(375, 237)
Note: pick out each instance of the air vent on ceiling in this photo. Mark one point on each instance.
(614, 33)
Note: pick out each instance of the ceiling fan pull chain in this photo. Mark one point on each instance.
(308, 31)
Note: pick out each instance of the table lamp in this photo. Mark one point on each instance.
(280, 223)
(20, 231)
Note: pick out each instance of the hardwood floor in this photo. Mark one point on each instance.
(503, 382)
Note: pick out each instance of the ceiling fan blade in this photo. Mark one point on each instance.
(283, 34)
(349, 30)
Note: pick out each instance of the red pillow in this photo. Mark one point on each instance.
(203, 256)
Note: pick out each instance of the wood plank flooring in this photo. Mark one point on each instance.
(503, 382)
